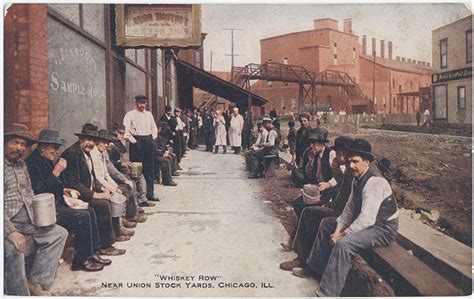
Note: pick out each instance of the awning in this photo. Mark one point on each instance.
(217, 86)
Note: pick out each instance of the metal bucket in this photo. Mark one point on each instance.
(311, 194)
(135, 169)
(44, 209)
(118, 205)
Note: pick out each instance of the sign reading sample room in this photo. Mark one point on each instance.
(158, 25)
(452, 75)
(76, 68)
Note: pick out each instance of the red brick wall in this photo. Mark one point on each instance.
(26, 66)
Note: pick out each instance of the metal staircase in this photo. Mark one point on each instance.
(307, 80)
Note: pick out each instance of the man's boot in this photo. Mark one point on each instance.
(224, 148)
(216, 148)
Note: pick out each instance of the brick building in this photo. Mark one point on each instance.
(327, 48)
(452, 72)
(63, 69)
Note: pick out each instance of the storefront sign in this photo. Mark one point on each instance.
(452, 75)
(158, 25)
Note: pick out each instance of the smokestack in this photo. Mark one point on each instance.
(364, 44)
(382, 48)
(348, 26)
(390, 50)
(374, 47)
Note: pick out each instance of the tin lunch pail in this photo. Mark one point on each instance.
(44, 209)
(135, 169)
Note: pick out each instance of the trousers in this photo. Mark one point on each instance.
(104, 222)
(142, 151)
(334, 262)
(83, 224)
(163, 165)
(49, 242)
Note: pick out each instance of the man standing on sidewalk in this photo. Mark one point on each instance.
(235, 130)
(141, 130)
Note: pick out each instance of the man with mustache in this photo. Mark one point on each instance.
(79, 175)
(369, 219)
(141, 130)
(19, 224)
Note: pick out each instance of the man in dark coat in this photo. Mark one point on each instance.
(302, 142)
(208, 131)
(162, 161)
(45, 178)
(79, 175)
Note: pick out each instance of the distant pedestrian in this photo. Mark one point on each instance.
(418, 117)
(302, 142)
(426, 118)
(235, 130)
(273, 113)
(208, 130)
(292, 140)
(220, 131)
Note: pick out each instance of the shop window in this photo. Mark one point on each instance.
(293, 104)
(443, 52)
(440, 102)
(93, 20)
(469, 46)
(461, 97)
(69, 11)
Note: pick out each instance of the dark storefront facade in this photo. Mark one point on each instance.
(62, 69)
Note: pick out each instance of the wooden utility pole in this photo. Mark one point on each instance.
(232, 50)
(373, 82)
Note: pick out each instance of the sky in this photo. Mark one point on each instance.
(408, 26)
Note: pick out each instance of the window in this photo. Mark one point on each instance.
(354, 53)
(335, 58)
(197, 59)
(411, 85)
(461, 97)
(393, 82)
(400, 89)
(283, 104)
(443, 52)
(469, 46)
(293, 104)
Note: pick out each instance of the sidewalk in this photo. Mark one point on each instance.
(212, 230)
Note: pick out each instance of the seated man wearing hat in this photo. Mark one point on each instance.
(163, 159)
(119, 157)
(302, 142)
(141, 130)
(269, 147)
(19, 224)
(261, 137)
(79, 175)
(81, 221)
(369, 219)
(120, 196)
(311, 216)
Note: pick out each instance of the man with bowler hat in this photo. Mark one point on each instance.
(369, 219)
(80, 176)
(140, 131)
(19, 224)
(45, 177)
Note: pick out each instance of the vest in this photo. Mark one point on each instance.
(326, 168)
(386, 209)
(276, 146)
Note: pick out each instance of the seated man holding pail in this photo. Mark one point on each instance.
(23, 223)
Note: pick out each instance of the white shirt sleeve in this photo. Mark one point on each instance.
(375, 191)
(332, 156)
(154, 128)
(127, 123)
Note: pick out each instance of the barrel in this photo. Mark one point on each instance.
(44, 210)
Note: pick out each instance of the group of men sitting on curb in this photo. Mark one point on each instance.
(356, 209)
(98, 198)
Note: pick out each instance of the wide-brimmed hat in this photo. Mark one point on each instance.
(89, 130)
(383, 164)
(266, 119)
(19, 130)
(342, 142)
(318, 135)
(118, 127)
(361, 147)
(48, 135)
(106, 135)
